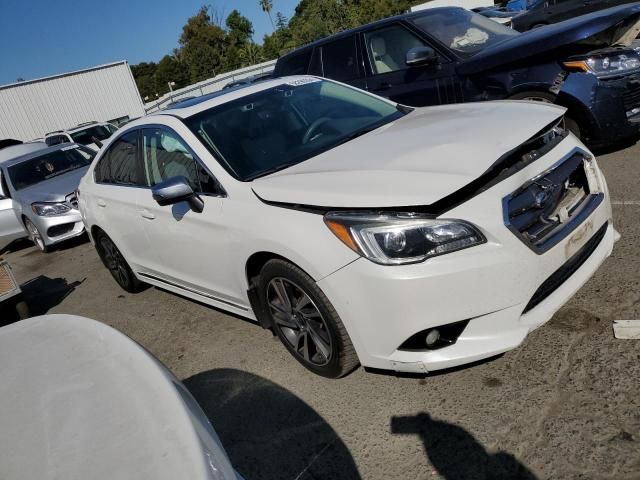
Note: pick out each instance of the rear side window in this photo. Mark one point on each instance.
(295, 64)
(339, 59)
(121, 164)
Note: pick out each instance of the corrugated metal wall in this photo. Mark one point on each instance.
(30, 109)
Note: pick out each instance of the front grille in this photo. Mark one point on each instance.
(563, 273)
(546, 209)
(72, 200)
(631, 96)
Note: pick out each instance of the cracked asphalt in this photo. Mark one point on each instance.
(564, 405)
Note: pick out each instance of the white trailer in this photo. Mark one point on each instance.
(32, 108)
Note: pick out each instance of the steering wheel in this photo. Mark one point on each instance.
(312, 129)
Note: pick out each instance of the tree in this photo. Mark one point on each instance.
(267, 6)
(202, 46)
(238, 39)
(170, 69)
(250, 54)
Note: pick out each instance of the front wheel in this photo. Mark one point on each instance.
(35, 236)
(305, 321)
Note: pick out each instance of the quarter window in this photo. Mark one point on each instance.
(339, 59)
(120, 164)
(388, 48)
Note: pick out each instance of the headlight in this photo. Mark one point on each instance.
(399, 238)
(610, 65)
(50, 209)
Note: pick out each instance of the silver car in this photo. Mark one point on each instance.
(41, 185)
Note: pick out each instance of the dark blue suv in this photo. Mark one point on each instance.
(452, 55)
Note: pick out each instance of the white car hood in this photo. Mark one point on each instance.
(415, 160)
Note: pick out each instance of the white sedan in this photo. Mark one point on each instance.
(358, 230)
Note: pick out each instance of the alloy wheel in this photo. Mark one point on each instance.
(114, 261)
(300, 321)
(34, 234)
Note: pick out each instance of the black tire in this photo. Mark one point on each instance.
(546, 97)
(116, 264)
(342, 358)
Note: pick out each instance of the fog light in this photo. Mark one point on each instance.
(432, 337)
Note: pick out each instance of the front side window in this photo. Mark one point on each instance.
(287, 124)
(388, 48)
(120, 164)
(461, 30)
(339, 59)
(45, 167)
(86, 136)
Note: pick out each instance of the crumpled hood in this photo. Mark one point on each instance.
(610, 27)
(416, 160)
(53, 190)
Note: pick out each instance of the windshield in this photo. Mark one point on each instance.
(287, 124)
(44, 167)
(85, 137)
(461, 30)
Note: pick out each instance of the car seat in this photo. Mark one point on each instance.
(384, 62)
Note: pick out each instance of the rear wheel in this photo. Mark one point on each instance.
(545, 97)
(305, 321)
(35, 236)
(116, 264)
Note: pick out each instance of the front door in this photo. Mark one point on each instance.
(190, 249)
(390, 77)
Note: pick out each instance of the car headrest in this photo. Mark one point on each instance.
(378, 46)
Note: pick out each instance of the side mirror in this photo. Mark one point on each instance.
(176, 190)
(418, 56)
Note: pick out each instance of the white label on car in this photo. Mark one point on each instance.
(70, 147)
(302, 81)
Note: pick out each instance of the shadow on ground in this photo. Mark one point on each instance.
(456, 454)
(43, 293)
(268, 432)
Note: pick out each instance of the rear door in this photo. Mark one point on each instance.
(120, 186)
(11, 228)
(340, 60)
(388, 75)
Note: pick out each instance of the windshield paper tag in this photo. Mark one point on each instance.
(70, 147)
(302, 81)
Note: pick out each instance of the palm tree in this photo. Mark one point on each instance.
(267, 6)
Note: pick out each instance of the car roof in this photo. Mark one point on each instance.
(191, 107)
(16, 151)
(38, 153)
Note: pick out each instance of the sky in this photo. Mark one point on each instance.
(46, 37)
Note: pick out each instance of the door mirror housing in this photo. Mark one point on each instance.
(175, 190)
(419, 56)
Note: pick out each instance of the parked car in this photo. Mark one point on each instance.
(81, 400)
(544, 12)
(11, 227)
(40, 187)
(497, 14)
(358, 229)
(248, 81)
(452, 55)
(89, 134)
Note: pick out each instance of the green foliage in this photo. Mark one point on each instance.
(207, 47)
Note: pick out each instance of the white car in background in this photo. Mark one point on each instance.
(359, 230)
(81, 400)
(84, 134)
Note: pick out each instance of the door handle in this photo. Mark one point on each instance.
(147, 214)
(383, 86)
(102, 203)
